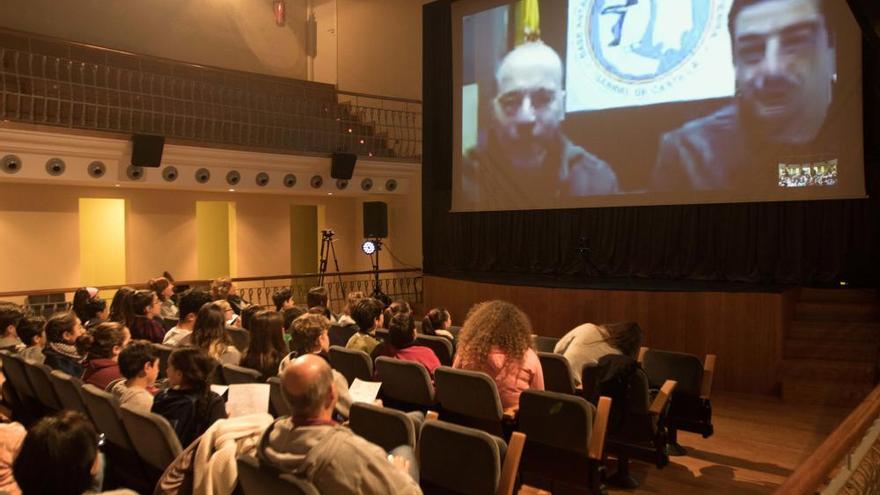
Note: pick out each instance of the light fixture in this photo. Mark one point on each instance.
(231, 190)
(369, 247)
(280, 11)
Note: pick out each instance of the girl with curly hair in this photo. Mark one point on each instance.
(497, 339)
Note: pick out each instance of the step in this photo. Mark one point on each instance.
(834, 330)
(836, 311)
(840, 295)
(824, 369)
(831, 350)
(824, 392)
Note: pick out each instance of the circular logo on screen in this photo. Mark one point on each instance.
(639, 41)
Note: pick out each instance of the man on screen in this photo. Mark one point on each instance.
(784, 58)
(525, 160)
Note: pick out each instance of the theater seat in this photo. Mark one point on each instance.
(441, 346)
(351, 363)
(154, 439)
(544, 344)
(39, 376)
(277, 405)
(557, 373)
(69, 391)
(406, 385)
(164, 351)
(469, 398)
(233, 375)
(386, 427)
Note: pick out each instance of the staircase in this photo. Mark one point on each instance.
(832, 348)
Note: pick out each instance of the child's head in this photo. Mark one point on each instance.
(64, 328)
(32, 331)
(139, 359)
(190, 368)
(10, 316)
(145, 303)
(105, 341)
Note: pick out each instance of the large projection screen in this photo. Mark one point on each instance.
(589, 103)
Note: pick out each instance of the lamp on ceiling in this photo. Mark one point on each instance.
(280, 10)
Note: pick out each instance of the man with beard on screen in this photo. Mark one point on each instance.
(524, 160)
(784, 59)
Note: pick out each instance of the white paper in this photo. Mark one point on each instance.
(363, 391)
(250, 398)
(219, 389)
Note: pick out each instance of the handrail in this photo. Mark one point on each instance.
(378, 97)
(328, 275)
(815, 470)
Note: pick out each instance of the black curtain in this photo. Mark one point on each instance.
(805, 242)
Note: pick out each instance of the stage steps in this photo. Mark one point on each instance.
(831, 349)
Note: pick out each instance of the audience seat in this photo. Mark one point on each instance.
(39, 376)
(544, 344)
(351, 363)
(339, 334)
(690, 408)
(69, 391)
(254, 479)
(441, 346)
(385, 427)
(240, 338)
(16, 376)
(454, 331)
(156, 443)
(469, 398)
(277, 405)
(641, 432)
(164, 351)
(557, 373)
(381, 334)
(565, 440)
(458, 459)
(406, 385)
(233, 374)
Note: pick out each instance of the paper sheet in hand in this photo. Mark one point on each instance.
(250, 398)
(219, 389)
(363, 391)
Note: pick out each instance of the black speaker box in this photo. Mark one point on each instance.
(342, 165)
(146, 151)
(375, 219)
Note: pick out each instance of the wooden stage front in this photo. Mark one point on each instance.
(743, 328)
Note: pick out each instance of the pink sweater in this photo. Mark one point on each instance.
(420, 354)
(511, 381)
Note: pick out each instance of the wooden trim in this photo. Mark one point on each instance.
(814, 472)
(642, 352)
(511, 463)
(662, 397)
(596, 445)
(431, 416)
(708, 376)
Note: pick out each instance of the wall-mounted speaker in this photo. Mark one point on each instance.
(289, 180)
(134, 173)
(233, 177)
(391, 185)
(170, 174)
(341, 184)
(375, 219)
(342, 165)
(317, 181)
(146, 151)
(55, 167)
(11, 164)
(262, 179)
(96, 169)
(203, 175)
(367, 184)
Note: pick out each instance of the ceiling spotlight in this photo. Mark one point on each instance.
(279, 9)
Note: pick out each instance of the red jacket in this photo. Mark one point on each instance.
(100, 372)
(147, 329)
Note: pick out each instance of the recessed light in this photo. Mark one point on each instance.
(231, 190)
(329, 194)
(117, 185)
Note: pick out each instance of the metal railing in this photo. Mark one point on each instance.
(403, 284)
(51, 82)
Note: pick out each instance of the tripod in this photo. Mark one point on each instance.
(328, 250)
(377, 287)
(584, 250)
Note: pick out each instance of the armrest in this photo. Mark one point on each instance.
(431, 415)
(509, 414)
(511, 463)
(662, 397)
(600, 425)
(708, 376)
(530, 490)
(642, 351)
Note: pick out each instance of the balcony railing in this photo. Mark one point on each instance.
(51, 82)
(403, 284)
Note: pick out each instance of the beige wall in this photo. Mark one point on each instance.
(39, 225)
(233, 34)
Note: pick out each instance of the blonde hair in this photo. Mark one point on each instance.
(494, 324)
(221, 287)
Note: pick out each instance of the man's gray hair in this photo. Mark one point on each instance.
(312, 399)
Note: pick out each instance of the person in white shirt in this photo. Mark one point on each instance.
(191, 302)
(587, 343)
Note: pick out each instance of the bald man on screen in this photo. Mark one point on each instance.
(525, 160)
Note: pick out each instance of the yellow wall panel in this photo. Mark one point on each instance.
(102, 241)
(215, 235)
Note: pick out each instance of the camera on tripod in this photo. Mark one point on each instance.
(327, 233)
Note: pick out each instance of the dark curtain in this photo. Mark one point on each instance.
(808, 242)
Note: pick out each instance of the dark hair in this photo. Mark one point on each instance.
(305, 332)
(30, 327)
(10, 314)
(317, 296)
(401, 330)
(197, 369)
(158, 285)
(100, 341)
(80, 298)
(267, 347)
(140, 301)
(398, 306)
(351, 300)
(93, 308)
(365, 313)
(247, 315)
(293, 313)
(221, 287)
(625, 337)
(120, 307)
(57, 456)
(321, 310)
(210, 327)
(280, 297)
(192, 301)
(434, 321)
(739, 5)
(58, 324)
(135, 355)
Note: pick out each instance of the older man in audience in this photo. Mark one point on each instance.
(311, 445)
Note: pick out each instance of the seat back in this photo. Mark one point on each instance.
(233, 374)
(469, 398)
(339, 334)
(381, 334)
(557, 373)
(69, 391)
(13, 368)
(405, 382)
(555, 419)
(386, 427)
(457, 459)
(105, 414)
(544, 344)
(351, 363)
(454, 331)
(38, 374)
(164, 351)
(253, 479)
(156, 442)
(240, 338)
(441, 346)
(685, 369)
(277, 405)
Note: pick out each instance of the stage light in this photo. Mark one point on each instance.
(368, 247)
